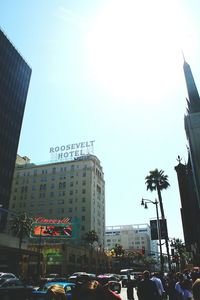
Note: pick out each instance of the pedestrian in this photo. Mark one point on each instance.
(187, 289)
(159, 285)
(178, 286)
(196, 289)
(129, 286)
(147, 289)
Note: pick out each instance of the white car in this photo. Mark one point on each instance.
(7, 275)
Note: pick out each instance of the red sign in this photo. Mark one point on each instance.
(54, 221)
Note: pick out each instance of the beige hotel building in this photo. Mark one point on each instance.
(74, 189)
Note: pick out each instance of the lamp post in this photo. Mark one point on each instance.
(144, 203)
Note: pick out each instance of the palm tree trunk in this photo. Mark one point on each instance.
(163, 218)
(20, 254)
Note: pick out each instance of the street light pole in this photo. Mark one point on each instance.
(144, 202)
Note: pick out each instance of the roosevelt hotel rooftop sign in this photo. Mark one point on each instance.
(71, 151)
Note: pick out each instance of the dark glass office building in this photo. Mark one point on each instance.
(14, 83)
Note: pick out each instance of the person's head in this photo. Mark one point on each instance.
(146, 274)
(56, 292)
(196, 289)
(82, 279)
(186, 284)
(180, 277)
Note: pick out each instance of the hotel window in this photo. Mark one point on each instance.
(61, 201)
(71, 192)
(84, 174)
(83, 208)
(83, 218)
(83, 200)
(70, 209)
(82, 227)
(71, 184)
(84, 182)
(83, 191)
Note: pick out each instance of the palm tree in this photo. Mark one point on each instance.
(158, 181)
(91, 237)
(180, 252)
(21, 227)
(118, 250)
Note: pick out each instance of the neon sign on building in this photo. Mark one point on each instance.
(43, 227)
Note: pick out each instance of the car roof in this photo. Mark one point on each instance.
(60, 283)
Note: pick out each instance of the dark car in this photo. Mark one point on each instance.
(40, 294)
(14, 288)
(114, 285)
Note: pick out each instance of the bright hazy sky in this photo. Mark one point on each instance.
(110, 71)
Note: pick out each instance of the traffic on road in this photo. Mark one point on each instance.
(87, 286)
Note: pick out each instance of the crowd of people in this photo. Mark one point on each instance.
(148, 286)
(170, 286)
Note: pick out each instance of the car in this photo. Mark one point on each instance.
(40, 294)
(51, 278)
(82, 276)
(13, 282)
(113, 284)
(14, 288)
(7, 275)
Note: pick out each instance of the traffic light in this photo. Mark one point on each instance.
(143, 250)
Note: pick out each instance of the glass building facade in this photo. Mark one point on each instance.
(14, 83)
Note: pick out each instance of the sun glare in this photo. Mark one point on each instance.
(132, 46)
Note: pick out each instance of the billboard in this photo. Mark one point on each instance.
(163, 229)
(51, 228)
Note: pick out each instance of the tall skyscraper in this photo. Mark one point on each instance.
(192, 126)
(14, 83)
(72, 189)
(189, 174)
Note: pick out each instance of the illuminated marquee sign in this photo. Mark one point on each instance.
(43, 227)
(67, 152)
